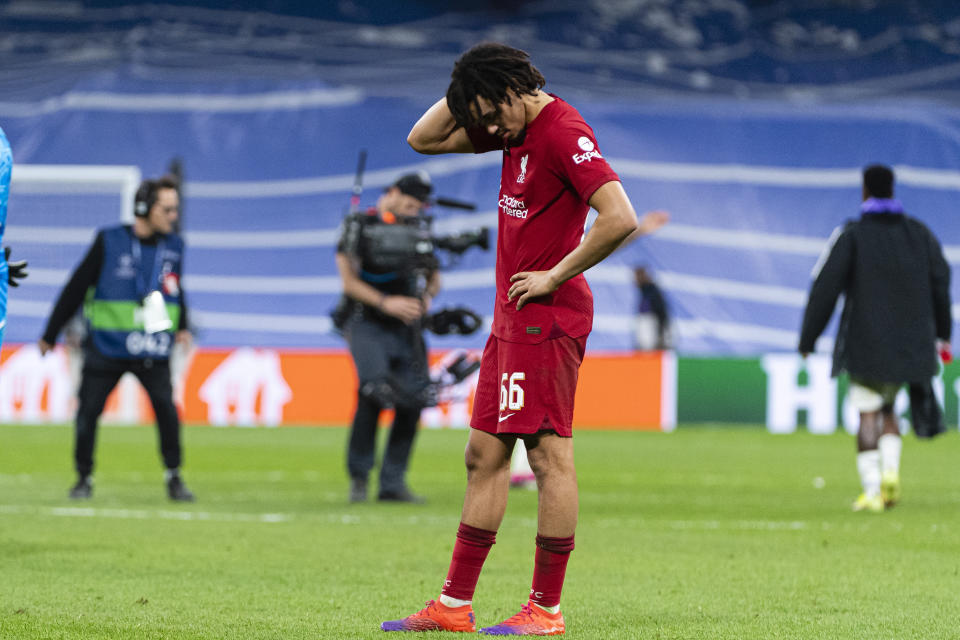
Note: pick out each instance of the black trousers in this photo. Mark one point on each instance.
(100, 375)
(391, 364)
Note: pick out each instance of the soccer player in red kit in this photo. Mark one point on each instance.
(553, 172)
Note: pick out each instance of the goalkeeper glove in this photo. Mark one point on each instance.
(15, 270)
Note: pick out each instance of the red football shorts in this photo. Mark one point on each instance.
(524, 388)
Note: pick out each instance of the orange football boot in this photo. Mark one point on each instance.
(531, 621)
(436, 616)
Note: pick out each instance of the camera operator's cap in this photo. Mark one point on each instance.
(416, 184)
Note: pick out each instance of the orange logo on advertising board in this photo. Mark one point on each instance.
(267, 387)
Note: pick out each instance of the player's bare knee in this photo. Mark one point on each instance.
(550, 464)
(484, 460)
(548, 473)
(472, 458)
(548, 452)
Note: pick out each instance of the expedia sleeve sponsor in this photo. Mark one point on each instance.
(113, 306)
(580, 158)
(589, 148)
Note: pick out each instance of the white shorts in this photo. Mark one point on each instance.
(867, 396)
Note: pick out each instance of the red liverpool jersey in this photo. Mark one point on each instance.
(545, 185)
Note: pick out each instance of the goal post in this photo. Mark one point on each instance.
(67, 179)
(54, 212)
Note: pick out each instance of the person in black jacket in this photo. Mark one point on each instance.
(896, 283)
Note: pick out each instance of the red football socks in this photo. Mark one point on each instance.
(550, 569)
(469, 554)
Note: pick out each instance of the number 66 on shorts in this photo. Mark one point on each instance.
(525, 388)
(511, 397)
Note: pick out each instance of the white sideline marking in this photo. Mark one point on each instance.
(391, 518)
(215, 516)
(276, 475)
(144, 514)
(742, 525)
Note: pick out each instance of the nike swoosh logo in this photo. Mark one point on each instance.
(502, 418)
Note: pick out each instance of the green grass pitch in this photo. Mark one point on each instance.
(703, 533)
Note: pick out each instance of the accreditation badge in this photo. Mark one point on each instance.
(155, 316)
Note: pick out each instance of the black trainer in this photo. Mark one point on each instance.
(358, 490)
(83, 490)
(403, 495)
(178, 491)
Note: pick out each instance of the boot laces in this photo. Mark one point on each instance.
(431, 604)
(525, 615)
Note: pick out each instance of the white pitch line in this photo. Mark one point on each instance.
(741, 525)
(359, 516)
(217, 516)
(144, 514)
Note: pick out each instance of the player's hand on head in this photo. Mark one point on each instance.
(653, 220)
(530, 284)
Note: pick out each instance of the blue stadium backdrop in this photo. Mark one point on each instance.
(749, 125)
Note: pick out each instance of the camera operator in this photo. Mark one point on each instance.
(386, 296)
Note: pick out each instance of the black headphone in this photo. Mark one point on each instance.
(145, 198)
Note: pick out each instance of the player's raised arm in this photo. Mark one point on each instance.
(649, 223)
(437, 132)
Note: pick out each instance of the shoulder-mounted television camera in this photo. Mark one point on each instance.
(410, 245)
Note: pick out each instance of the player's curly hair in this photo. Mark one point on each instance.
(486, 71)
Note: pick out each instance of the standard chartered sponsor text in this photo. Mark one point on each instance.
(513, 206)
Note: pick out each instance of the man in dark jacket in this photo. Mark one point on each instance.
(896, 283)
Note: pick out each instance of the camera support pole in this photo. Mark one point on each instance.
(357, 190)
(175, 169)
